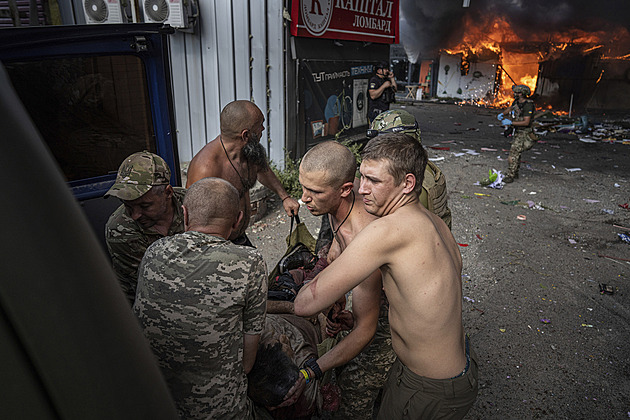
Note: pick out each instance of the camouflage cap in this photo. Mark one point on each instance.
(394, 121)
(524, 89)
(138, 174)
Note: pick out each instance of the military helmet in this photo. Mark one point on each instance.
(521, 89)
(394, 121)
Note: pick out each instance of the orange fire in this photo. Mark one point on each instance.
(495, 40)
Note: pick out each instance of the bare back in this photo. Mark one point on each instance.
(212, 161)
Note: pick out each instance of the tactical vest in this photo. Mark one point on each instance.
(518, 111)
(435, 185)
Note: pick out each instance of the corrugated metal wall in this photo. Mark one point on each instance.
(236, 52)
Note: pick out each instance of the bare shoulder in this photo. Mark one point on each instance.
(205, 163)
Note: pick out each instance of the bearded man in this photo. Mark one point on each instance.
(237, 156)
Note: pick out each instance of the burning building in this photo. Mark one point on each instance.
(476, 54)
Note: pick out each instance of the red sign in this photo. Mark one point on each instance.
(355, 20)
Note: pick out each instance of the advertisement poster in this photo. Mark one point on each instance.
(360, 91)
(333, 97)
(354, 20)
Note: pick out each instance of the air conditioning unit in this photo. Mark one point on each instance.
(176, 13)
(104, 11)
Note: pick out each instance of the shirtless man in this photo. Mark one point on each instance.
(237, 156)
(327, 173)
(421, 268)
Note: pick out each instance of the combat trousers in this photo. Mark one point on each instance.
(521, 143)
(362, 378)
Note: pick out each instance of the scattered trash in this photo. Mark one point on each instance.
(436, 159)
(545, 321)
(613, 258)
(494, 180)
(588, 200)
(587, 140)
(521, 217)
(485, 149)
(483, 195)
(624, 237)
(624, 206)
(470, 152)
(621, 227)
(439, 147)
(462, 244)
(510, 203)
(502, 330)
(572, 241)
(479, 237)
(606, 289)
(535, 206)
(617, 185)
(587, 325)
(608, 211)
(467, 299)
(573, 169)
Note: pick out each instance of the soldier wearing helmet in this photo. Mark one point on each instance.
(522, 111)
(434, 195)
(381, 90)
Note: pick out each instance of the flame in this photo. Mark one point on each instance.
(495, 40)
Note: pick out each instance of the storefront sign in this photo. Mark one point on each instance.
(354, 20)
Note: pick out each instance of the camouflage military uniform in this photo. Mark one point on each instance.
(197, 296)
(434, 195)
(362, 378)
(127, 241)
(303, 337)
(522, 140)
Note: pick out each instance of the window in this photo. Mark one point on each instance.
(92, 112)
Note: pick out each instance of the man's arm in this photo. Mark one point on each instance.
(366, 299)
(126, 251)
(269, 179)
(250, 347)
(365, 254)
(524, 123)
(376, 93)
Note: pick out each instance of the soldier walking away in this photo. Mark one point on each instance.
(522, 111)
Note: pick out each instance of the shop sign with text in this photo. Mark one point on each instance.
(354, 20)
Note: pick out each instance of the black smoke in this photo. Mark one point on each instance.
(426, 26)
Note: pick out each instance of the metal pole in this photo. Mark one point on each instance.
(570, 105)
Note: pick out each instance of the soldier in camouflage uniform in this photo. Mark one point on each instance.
(434, 195)
(364, 353)
(522, 111)
(201, 303)
(151, 209)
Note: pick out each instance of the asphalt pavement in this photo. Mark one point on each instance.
(536, 252)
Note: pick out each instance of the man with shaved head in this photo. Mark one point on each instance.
(327, 175)
(435, 375)
(237, 156)
(201, 301)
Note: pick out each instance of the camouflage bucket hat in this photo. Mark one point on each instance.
(394, 121)
(138, 174)
(524, 89)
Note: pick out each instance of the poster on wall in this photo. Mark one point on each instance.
(333, 97)
(360, 91)
(366, 20)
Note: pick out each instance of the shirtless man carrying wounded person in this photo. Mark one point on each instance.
(435, 373)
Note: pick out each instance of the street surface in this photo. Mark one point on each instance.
(550, 345)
